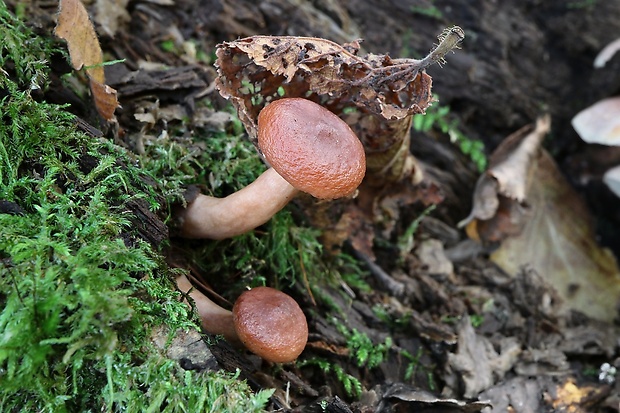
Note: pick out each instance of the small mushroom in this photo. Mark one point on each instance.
(268, 322)
(612, 180)
(309, 149)
(600, 123)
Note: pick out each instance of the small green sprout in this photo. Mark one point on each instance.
(362, 349)
(437, 117)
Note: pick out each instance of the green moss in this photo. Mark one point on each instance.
(438, 118)
(79, 291)
(351, 385)
(279, 253)
(361, 348)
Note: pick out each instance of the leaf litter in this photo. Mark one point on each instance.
(482, 362)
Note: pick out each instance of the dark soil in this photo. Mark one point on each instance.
(520, 59)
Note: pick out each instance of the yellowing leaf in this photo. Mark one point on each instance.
(558, 242)
(524, 205)
(75, 27)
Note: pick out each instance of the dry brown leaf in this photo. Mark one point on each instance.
(75, 27)
(545, 393)
(557, 240)
(105, 99)
(524, 203)
(410, 399)
(111, 14)
(375, 94)
(499, 198)
(477, 362)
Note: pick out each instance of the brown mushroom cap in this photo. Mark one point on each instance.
(270, 324)
(311, 148)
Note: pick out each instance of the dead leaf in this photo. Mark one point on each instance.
(186, 346)
(495, 211)
(517, 395)
(525, 204)
(558, 241)
(477, 362)
(545, 393)
(105, 99)
(375, 94)
(407, 398)
(433, 256)
(110, 14)
(75, 27)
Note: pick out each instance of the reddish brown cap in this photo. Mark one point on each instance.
(270, 324)
(312, 148)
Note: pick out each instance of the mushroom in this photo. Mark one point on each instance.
(612, 180)
(309, 149)
(268, 322)
(600, 123)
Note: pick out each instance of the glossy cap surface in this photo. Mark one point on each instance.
(270, 324)
(311, 148)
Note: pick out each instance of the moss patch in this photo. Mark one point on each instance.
(80, 292)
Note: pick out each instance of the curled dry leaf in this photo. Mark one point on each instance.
(524, 204)
(499, 205)
(375, 94)
(477, 362)
(75, 27)
(401, 397)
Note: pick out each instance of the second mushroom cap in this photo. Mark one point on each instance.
(270, 324)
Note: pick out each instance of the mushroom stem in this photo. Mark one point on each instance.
(266, 321)
(238, 213)
(214, 319)
(309, 148)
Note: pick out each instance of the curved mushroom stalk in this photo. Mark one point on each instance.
(309, 148)
(238, 213)
(214, 319)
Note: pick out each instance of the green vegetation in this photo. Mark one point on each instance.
(279, 254)
(415, 364)
(406, 241)
(429, 11)
(581, 4)
(351, 385)
(361, 348)
(80, 291)
(437, 117)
